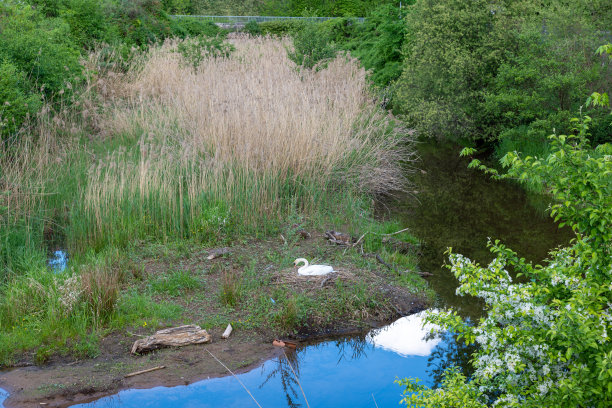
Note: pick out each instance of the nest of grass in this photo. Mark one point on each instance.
(300, 283)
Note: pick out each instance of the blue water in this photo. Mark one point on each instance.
(3, 395)
(349, 372)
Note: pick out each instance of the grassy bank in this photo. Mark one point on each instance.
(193, 147)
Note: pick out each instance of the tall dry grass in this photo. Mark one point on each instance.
(249, 130)
(240, 142)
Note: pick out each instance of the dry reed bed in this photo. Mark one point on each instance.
(250, 131)
(241, 130)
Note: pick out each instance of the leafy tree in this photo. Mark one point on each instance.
(506, 70)
(16, 101)
(378, 43)
(311, 46)
(41, 48)
(449, 60)
(545, 78)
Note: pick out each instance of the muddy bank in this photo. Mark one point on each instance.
(64, 382)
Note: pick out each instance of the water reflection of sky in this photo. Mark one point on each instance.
(346, 372)
(3, 395)
(406, 336)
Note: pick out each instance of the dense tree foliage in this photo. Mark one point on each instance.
(507, 71)
(330, 8)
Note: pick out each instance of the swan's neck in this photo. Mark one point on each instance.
(301, 260)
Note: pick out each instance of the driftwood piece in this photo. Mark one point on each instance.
(217, 253)
(339, 238)
(173, 337)
(148, 370)
(400, 246)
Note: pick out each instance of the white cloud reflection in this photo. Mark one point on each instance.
(406, 336)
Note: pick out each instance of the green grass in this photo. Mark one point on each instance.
(60, 314)
(175, 283)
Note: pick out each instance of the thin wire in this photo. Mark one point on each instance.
(243, 386)
(297, 379)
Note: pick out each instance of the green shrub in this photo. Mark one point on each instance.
(194, 50)
(41, 48)
(545, 78)
(312, 45)
(450, 57)
(192, 27)
(280, 28)
(378, 43)
(88, 22)
(17, 103)
(252, 28)
(178, 6)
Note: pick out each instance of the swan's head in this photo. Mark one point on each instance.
(299, 261)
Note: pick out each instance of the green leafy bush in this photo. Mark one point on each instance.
(16, 100)
(510, 71)
(191, 27)
(544, 79)
(41, 48)
(311, 46)
(194, 50)
(88, 22)
(280, 27)
(252, 28)
(450, 57)
(378, 43)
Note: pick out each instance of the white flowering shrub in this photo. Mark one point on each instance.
(70, 293)
(544, 341)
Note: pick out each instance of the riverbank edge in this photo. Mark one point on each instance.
(33, 386)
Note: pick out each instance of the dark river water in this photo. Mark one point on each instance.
(453, 207)
(462, 208)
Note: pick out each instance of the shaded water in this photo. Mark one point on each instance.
(461, 208)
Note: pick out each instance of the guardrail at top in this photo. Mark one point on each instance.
(258, 18)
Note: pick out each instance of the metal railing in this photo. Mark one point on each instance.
(259, 19)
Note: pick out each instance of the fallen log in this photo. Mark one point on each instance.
(173, 337)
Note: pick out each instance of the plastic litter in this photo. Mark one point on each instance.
(227, 331)
(59, 261)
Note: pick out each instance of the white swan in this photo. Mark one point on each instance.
(312, 270)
